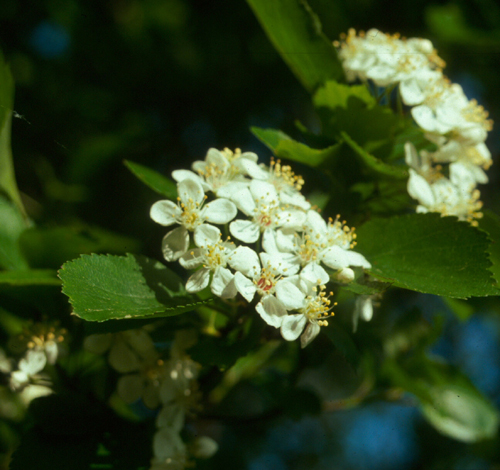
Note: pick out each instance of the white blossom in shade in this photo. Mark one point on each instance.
(221, 171)
(251, 277)
(363, 308)
(128, 350)
(203, 447)
(29, 366)
(169, 450)
(212, 254)
(261, 202)
(456, 151)
(190, 213)
(447, 110)
(286, 182)
(315, 310)
(446, 198)
(145, 384)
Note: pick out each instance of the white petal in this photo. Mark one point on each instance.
(419, 188)
(175, 243)
(220, 211)
(206, 234)
(51, 351)
(309, 334)
(410, 91)
(221, 283)
(245, 260)
(204, 447)
(285, 240)
(165, 212)
(345, 275)
(290, 296)
(286, 264)
(167, 444)
(314, 222)
(263, 190)
(130, 387)
(140, 341)
(171, 416)
(192, 258)
(150, 395)
(190, 190)
(314, 273)
(357, 259)
(244, 286)
(181, 175)
(34, 361)
(232, 188)
(292, 326)
(295, 199)
(253, 170)
(216, 158)
(244, 200)
(411, 156)
(335, 257)
(292, 219)
(245, 230)
(271, 310)
(198, 281)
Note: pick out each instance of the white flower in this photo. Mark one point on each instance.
(221, 171)
(447, 109)
(213, 255)
(286, 182)
(277, 294)
(128, 350)
(191, 213)
(445, 197)
(319, 242)
(169, 450)
(261, 202)
(29, 366)
(314, 311)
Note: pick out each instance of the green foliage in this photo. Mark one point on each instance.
(157, 182)
(32, 277)
(13, 224)
(111, 287)
(284, 146)
(295, 32)
(490, 223)
(428, 253)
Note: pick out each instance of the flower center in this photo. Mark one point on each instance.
(267, 280)
(319, 306)
(282, 176)
(190, 216)
(340, 234)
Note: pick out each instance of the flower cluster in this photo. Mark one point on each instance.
(168, 384)
(444, 180)
(291, 245)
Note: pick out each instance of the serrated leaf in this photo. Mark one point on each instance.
(428, 253)
(157, 182)
(490, 223)
(295, 32)
(33, 277)
(104, 287)
(11, 226)
(352, 109)
(374, 164)
(284, 146)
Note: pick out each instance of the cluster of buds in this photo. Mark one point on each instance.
(446, 179)
(168, 384)
(279, 247)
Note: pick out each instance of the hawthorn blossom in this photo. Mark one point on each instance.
(313, 313)
(221, 171)
(213, 254)
(251, 277)
(261, 202)
(191, 214)
(363, 308)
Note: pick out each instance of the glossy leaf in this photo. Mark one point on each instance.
(295, 32)
(104, 287)
(284, 146)
(428, 253)
(490, 223)
(157, 182)
(11, 226)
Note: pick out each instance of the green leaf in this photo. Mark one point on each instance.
(373, 163)
(157, 182)
(447, 398)
(34, 277)
(428, 253)
(284, 146)
(50, 247)
(352, 109)
(8, 183)
(11, 226)
(104, 287)
(295, 32)
(490, 223)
